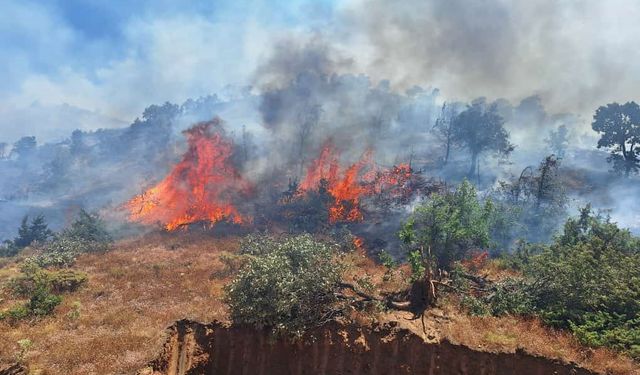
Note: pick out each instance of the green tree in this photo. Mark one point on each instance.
(28, 233)
(619, 126)
(90, 229)
(480, 129)
(449, 225)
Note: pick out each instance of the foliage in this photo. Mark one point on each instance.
(33, 277)
(593, 266)
(386, 260)
(619, 126)
(29, 232)
(60, 253)
(416, 262)
(74, 313)
(24, 147)
(587, 281)
(86, 234)
(449, 225)
(24, 345)
(612, 330)
(41, 301)
(479, 129)
(305, 213)
(288, 284)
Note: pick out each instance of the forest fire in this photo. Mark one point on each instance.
(200, 188)
(344, 185)
(349, 186)
(204, 185)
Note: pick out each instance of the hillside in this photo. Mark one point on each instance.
(116, 322)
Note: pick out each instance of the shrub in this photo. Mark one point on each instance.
(611, 330)
(587, 281)
(86, 234)
(288, 284)
(34, 277)
(41, 302)
(55, 256)
(449, 225)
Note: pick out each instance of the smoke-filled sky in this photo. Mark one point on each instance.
(88, 64)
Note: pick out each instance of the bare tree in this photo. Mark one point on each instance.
(308, 120)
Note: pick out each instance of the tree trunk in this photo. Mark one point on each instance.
(446, 156)
(474, 161)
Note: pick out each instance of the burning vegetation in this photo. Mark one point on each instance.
(202, 187)
(206, 186)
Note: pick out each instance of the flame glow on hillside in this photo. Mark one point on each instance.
(200, 188)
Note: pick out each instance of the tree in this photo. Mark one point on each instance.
(37, 230)
(88, 230)
(619, 126)
(24, 146)
(531, 206)
(480, 129)
(308, 119)
(444, 126)
(4, 150)
(28, 233)
(449, 225)
(558, 141)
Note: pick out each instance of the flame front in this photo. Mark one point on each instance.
(348, 186)
(200, 188)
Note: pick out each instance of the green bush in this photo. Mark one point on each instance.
(42, 302)
(449, 225)
(86, 234)
(41, 299)
(615, 331)
(288, 284)
(34, 277)
(55, 256)
(587, 281)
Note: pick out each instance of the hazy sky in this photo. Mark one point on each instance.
(110, 59)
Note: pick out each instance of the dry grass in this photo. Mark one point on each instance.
(135, 291)
(510, 333)
(133, 294)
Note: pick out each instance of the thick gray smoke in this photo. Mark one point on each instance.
(305, 102)
(575, 54)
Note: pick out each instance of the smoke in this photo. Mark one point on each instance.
(305, 101)
(575, 54)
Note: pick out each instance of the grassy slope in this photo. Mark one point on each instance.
(142, 286)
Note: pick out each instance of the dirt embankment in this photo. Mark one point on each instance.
(196, 348)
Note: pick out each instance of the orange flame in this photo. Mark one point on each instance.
(349, 186)
(199, 188)
(343, 185)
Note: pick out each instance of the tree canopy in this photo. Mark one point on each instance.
(619, 126)
(480, 129)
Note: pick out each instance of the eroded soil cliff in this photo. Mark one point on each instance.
(196, 348)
